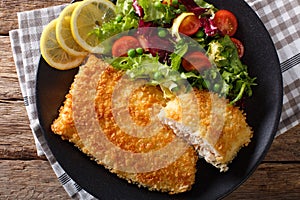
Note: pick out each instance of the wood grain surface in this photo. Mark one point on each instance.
(24, 175)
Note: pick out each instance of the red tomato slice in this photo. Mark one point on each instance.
(239, 45)
(196, 61)
(226, 22)
(190, 25)
(123, 44)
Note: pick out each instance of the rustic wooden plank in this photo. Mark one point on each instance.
(286, 147)
(36, 180)
(9, 85)
(9, 9)
(29, 180)
(16, 140)
(271, 181)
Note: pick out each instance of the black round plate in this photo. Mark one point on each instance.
(263, 111)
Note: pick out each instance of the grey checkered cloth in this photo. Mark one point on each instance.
(280, 17)
(26, 51)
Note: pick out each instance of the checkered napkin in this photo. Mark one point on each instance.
(281, 18)
(26, 51)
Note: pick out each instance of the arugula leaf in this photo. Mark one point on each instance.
(224, 53)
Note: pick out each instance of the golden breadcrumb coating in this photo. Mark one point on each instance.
(176, 177)
(220, 131)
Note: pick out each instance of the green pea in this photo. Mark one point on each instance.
(174, 2)
(157, 4)
(119, 18)
(139, 50)
(162, 33)
(157, 76)
(200, 34)
(175, 89)
(217, 87)
(131, 53)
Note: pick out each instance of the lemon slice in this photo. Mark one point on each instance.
(90, 14)
(64, 34)
(52, 52)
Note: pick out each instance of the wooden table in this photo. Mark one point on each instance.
(24, 175)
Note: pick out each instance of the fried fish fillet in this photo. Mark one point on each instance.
(215, 128)
(113, 119)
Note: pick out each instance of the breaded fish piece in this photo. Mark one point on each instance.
(110, 113)
(215, 128)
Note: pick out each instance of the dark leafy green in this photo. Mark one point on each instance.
(228, 76)
(235, 74)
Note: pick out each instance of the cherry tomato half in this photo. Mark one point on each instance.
(190, 25)
(123, 44)
(226, 22)
(239, 45)
(196, 61)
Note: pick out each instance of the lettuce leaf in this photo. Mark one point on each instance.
(162, 14)
(128, 21)
(124, 6)
(148, 67)
(235, 74)
(204, 4)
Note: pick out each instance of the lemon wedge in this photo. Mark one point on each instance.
(87, 16)
(63, 32)
(52, 52)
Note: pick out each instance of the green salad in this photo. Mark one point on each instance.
(178, 44)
